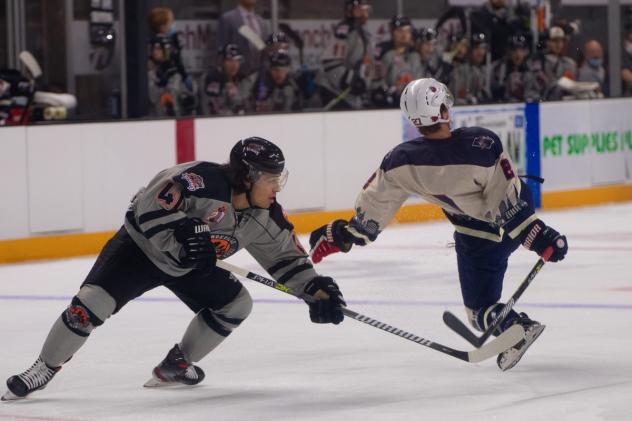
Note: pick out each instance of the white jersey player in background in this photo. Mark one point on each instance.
(466, 173)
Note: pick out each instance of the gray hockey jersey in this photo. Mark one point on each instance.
(469, 176)
(200, 190)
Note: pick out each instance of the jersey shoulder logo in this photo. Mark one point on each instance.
(225, 245)
(483, 142)
(193, 180)
(217, 215)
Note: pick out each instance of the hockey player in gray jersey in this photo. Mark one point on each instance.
(348, 60)
(396, 63)
(187, 217)
(466, 173)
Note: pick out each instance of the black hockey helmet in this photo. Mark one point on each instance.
(425, 35)
(278, 37)
(253, 156)
(399, 21)
(518, 41)
(478, 39)
(230, 51)
(350, 4)
(280, 58)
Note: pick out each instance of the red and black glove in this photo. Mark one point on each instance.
(329, 239)
(538, 237)
(197, 250)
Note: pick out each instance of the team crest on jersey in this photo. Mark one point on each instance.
(194, 181)
(483, 142)
(217, 215)
(213, 88)
(225, 245)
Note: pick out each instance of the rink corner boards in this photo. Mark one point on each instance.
(81, 244)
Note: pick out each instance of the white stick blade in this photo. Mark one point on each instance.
(252, 36)
(506, 340)
(31, 64)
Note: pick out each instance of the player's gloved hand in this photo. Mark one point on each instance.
(327, 307)
(352, 80)
(329, 239)
(540, 237)
(197, 250)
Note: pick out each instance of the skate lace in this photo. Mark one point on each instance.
(37, 375)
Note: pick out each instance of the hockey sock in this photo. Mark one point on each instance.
(88, 309)
(209, 328)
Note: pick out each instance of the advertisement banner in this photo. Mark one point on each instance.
(585, 143)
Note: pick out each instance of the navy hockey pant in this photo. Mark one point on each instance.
(482, 265)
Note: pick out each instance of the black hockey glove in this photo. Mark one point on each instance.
(538, 237)
(325, 310)
(197, 250)
(352, 80)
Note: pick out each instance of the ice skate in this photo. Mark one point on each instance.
(175, 370)
(532, 330)
(35, 378)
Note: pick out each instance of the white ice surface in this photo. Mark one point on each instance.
(279, 366)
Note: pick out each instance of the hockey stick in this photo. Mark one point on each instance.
(252, 37)
(337, 99)
(506, 340)
(459, 327)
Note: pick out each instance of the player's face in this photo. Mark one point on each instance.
(361, 13)
(279, 74)
(402, 36)
(518, 55)
(265, 188)
(478, 54)
(556, 46)
(231, 67)
(426, 49)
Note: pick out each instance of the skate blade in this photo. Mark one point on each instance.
(10, 396)
(530, 337)
(156, 383)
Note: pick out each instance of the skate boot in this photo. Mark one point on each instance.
(35, 378)
(174, 370)
(532, 330)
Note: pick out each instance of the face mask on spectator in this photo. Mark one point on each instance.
(595, 62)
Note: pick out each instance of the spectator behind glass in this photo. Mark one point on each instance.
(347, 60)
(226, 91)
(228, 32)
(276, 90)
(513, 78)
(172, 91)
(478, 70)
(425, 43)
(626, 62)
(556, 64)
(493, 19)
(592, 70)
(396, 64)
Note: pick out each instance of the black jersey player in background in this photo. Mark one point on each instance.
(466, 173)
(187, 217)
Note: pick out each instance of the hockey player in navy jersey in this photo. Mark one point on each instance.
(466, 173)
(188, 216)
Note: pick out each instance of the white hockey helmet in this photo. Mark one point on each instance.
(422, 99)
